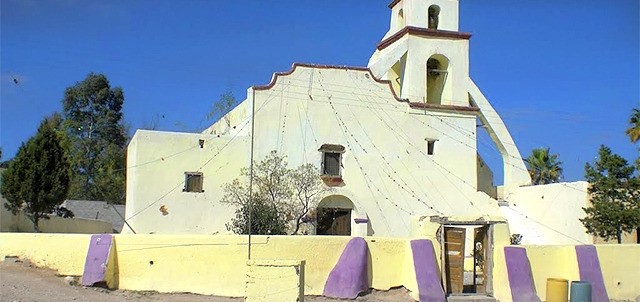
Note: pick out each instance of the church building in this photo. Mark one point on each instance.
(396, 141)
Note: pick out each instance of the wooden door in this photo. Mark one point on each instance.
(342, 223)
(454, 258)
(481, 255)
(333, 222)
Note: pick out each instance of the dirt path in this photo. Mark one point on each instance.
(21, 281)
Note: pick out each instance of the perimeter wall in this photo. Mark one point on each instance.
(216, 264)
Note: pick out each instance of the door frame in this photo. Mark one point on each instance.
(488, 261)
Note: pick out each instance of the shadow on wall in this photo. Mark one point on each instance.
(370, 271)
(370, 231)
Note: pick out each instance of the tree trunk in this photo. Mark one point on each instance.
(295, 232)
(35, 221)
(298, 223)
(619, 235)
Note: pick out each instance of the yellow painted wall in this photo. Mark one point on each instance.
(65, 253)
(620, 270)
(387, 258)
(274, 280)
(75, 226)
(55, 224)
(552, 262)
(158, 162)
(216, 265)
(501, 289)
(212, 265)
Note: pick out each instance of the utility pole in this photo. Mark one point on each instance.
(253, 119)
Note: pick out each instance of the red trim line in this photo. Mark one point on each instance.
(425, 32)
(343, 67)
(393, 3)
(414, 105)
(321, 66)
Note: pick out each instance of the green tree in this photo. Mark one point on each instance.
(284, 196)
(3, 164)
(56, 122)
(634, 126)
(543, 167)
(37, 180)
(93, 120)
(615, 196)
(264, 220)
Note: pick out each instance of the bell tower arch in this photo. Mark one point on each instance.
(432, 14)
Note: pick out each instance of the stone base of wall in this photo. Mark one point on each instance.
(275, 280)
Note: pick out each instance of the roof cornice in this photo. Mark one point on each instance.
(423, 32)
(393, 3)
(413, 105)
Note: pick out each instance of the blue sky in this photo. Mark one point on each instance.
(563, 74)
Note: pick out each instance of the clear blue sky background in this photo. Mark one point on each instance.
(563, 74)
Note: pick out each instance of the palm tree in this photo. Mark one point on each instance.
(634, 128)
(543, 167)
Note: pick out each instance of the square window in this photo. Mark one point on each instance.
(331, 160)
(193, 182)
(331, 163)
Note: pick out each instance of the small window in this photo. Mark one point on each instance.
(331, 159)
(431, 145)
(193, 182)
(331, 163)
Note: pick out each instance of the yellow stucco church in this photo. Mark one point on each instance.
(412, 202)
(396, 141)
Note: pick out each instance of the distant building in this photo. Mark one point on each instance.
(98, 210)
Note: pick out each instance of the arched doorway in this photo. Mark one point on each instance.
(334, 216)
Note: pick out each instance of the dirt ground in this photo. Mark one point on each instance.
(20, 281)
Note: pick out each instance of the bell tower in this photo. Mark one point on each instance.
(426, 59)
(423, 54)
